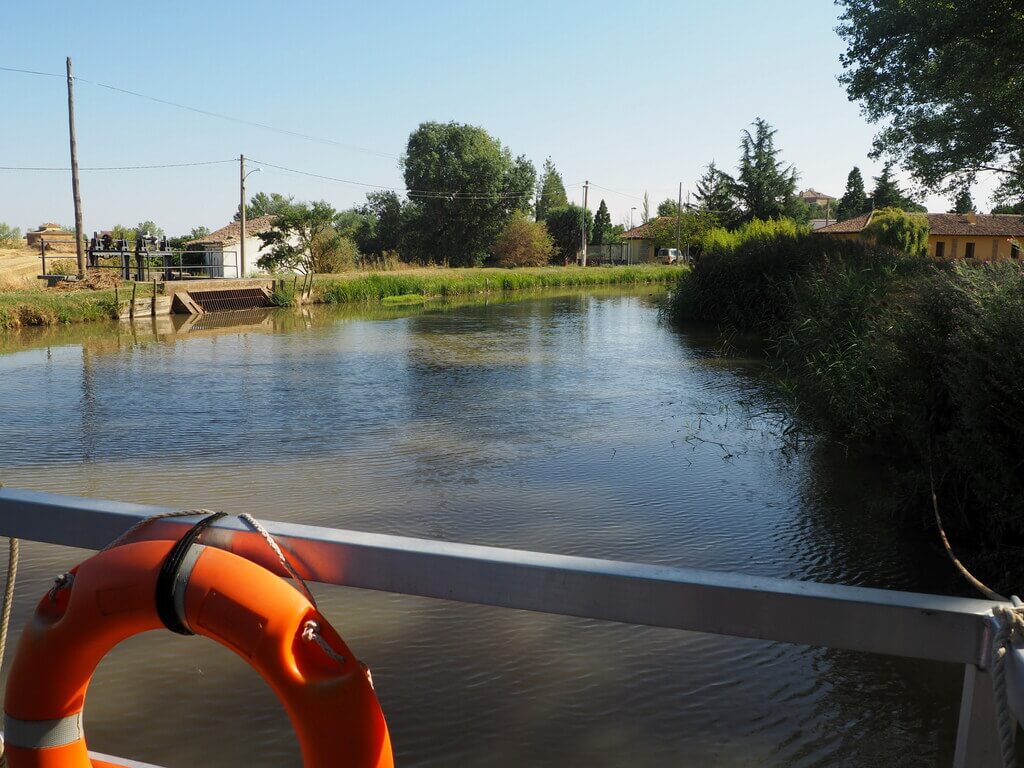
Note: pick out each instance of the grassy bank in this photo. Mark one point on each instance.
(41, 307)
(444, 283)
(44, 306)
(917, 360)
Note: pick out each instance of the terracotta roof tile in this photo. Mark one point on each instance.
(643, 231)
(946, 225)
(233, 231)
(997, 225)
(845, 227)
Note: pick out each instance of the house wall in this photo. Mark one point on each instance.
(641, 251)
(986, 247)
(224, 259)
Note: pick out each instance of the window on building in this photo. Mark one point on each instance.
(969, 250)
(1014, 251)
(940, 250)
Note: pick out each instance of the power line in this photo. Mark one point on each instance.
(413, 193)
(209, 113)
(427, 194)
(616, 192)
(114, 167)
(30, 72)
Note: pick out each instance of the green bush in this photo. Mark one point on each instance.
(10, 237)
(917, 359)
(523, 243)
(906, 232)
(63, 267)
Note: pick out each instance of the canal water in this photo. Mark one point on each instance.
(573, 423)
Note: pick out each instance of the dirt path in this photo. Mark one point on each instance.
(19, 266)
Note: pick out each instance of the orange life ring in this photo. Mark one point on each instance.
(242, 606)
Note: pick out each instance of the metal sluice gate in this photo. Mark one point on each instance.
(231, 299)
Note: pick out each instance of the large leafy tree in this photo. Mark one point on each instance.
(602, 224)
(380, 229)
(303, 238)
(197, 233)
(262, 204)
(565, 226)
(854, 201)
(693, 226)
(888, 194)
(764, 185)
(462, 185)
(550, 191)
(714, 194)
(945, 77)
(668, 207)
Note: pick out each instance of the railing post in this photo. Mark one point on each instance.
(977, 737)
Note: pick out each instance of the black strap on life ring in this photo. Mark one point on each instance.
(169, 574)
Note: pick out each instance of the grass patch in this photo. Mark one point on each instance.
(40, 306)
(403, 300)
(443, 283)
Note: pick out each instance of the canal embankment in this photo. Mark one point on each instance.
(915, 359)
(43, 306)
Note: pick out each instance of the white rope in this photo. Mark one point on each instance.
(311, 632)
(163, 515)
(1011, 626)
(13, 547)
(258, 527)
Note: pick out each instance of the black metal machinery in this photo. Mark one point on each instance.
(146, 250)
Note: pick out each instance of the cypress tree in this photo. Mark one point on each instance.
(963, 202)
(715, 194)
(854, 201)
(602, 223)
(551, 194)
(887, 193)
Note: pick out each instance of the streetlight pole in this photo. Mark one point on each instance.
(583, 227)
(242, 175)
(629, 245)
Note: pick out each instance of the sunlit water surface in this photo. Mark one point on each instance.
(572, 423)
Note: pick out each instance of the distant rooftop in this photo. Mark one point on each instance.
(232, 233)
(946, 224)
(813, 194)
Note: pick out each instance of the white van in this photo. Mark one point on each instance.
(670, 256)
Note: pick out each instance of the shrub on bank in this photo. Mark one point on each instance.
(906, 232)
(523, 243)
(919, 359)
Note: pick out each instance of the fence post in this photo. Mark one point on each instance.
(977, 737)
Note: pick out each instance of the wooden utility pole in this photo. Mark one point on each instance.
(687, 259)
(586, 186)
(241, 208)
(679, 217)
(74, 173)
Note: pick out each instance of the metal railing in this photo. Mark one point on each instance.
(144, 267)
(911, 625)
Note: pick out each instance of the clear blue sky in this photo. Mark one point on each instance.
(633, 96)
